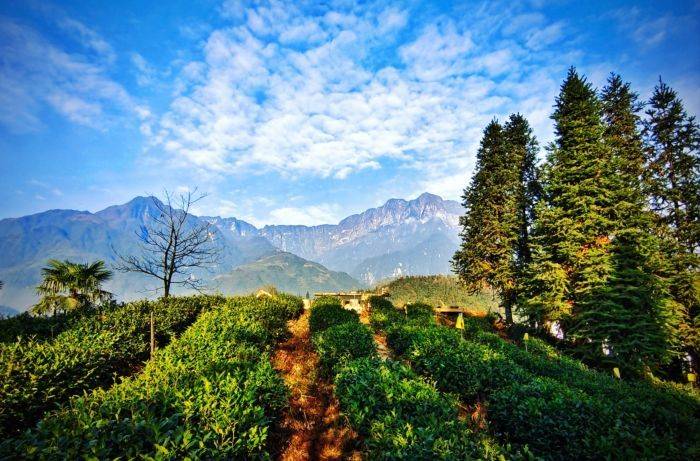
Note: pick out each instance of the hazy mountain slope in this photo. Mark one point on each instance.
(399, 238)
(379, 242)
(431, 256)
(26, 244)
(287, 272)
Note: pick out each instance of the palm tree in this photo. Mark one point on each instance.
(68, 286)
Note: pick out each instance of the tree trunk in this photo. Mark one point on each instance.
(508, 304)
(153, 334)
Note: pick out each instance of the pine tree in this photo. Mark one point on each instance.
(673, 165)
(672, 178)
(632, 314)
(489, 226)
(522, 150)
(499, 211)
(571, 243)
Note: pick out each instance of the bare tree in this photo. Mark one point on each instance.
(173, 246)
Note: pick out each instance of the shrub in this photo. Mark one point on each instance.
(341, 343)
(420, 313)
(383, 314)
(209, 394)
(402, 416)
(39, 375)
(293, 304)
(458, 366)
(555, 421)
(327, 313)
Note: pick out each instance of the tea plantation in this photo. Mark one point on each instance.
(89, 390)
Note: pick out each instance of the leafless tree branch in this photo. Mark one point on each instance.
(173, 244)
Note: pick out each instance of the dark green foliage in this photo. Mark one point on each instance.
(672, 180)
(555, 421)
(293, 304)
(571, 255)
(673, 165)
(210, 394)
(553, 403)
(39, 327)
(340, 343)
(403, 417)
(37, 376)
(462, 367)
(420, 313)
(596, 265)
(328, 312)
(499, 210)
(383, 314)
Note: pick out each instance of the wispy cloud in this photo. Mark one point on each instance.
(295, 92)
(36, 74)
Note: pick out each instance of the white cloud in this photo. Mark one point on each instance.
(88, 38)
(267, 97)
(307, 216)
(35, 74)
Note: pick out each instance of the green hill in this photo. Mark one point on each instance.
(287, 272)
(436, 290)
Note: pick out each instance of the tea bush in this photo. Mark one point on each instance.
(403, 417)
(555, 404)
(39, 327)
(383, 314)
(468, 369)
(293, 304)
(420, 313)
(211, 394)
(39, 375)
(341, 343)
(327, 312)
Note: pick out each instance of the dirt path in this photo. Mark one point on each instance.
(312, 428)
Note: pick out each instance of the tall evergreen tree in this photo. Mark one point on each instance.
(499, 209)
(522, 149)
(571, 258)
(632, 315)
(490, 222)
(673, 165)
(672, 178)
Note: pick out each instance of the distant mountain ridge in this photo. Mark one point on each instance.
(401, 237)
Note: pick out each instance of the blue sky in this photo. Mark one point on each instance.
(291, 112)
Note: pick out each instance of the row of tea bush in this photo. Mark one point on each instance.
(37, 375)
(551, 403)
(210, 394)
(398, 414)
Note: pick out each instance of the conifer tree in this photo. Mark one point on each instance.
(499, 211)
(522, 149)
(571, 257)
(489, 226)
(673, 165)
(632, 315)
(672, 179)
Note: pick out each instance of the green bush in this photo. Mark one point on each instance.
(39, 328)
(39, 375)
(211, 394)
(553, 403)
(341, 343)
(402, 417)
(293, 304)
(383, 314)
(420, 313)
(327, 313)
(468, 369)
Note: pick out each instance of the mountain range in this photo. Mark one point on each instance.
(401, 237)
